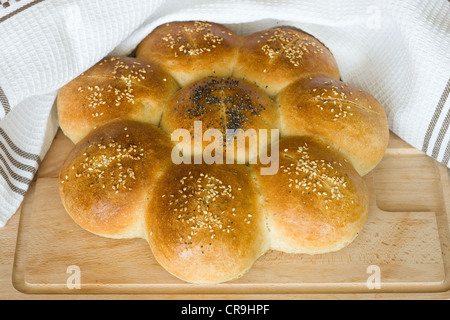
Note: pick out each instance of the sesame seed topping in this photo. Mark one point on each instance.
(201, 203)
(337, 102)
(126, 76)
(313, 176)
(290, 45)
(187, 39)
(109, 165)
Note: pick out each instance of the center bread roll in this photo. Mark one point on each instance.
(222, 104)
(205, 223)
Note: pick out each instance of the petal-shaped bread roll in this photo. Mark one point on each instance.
(191, 50)
(276, 57)
(115, 88)
(105, 180)
(317, 202)
(205, 223)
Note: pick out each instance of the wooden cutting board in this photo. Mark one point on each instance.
(404, 245)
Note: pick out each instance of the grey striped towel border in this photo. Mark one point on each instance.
(12, 157)
(432, 129)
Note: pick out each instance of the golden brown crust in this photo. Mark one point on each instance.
(105, 179)
(276, 57)
(191, 50)
(117, 87)
(317, 202)
(222, 104)
(205, 223)
(339, 114)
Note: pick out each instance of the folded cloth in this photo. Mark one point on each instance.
(398, 50)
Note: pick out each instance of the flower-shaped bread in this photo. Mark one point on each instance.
(209, 222)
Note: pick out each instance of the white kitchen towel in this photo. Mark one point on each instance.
(398, 50)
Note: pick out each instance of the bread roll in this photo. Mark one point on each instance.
(339, 114)
(117, 87)
(276, 57)
(191, 50)
(222, 104)
(107, 177)
(317, 202)
(205, 223)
